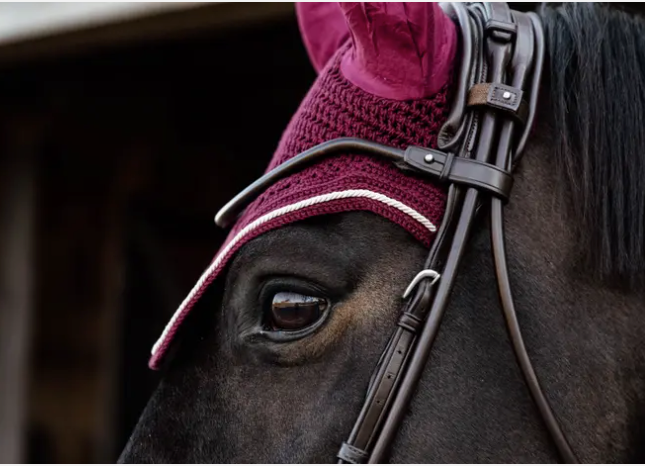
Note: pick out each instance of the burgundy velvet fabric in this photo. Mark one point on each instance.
(323, 29)
(400, 51)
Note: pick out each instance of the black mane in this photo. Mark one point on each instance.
(597, 85)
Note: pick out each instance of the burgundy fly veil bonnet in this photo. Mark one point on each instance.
(384, 72)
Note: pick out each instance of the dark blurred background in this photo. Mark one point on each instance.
(123, 128)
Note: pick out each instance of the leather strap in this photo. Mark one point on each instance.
(524, 52)
(229, 212)
(460, 170)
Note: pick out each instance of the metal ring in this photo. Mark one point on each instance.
(428, 273)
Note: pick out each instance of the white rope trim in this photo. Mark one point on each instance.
(352, 193)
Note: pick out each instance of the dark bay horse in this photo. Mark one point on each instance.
(575, 232)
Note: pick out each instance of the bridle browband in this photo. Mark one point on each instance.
(494, 104)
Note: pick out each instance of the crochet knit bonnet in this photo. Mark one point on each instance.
(384, 72)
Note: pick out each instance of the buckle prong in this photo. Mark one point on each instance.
(427, 273)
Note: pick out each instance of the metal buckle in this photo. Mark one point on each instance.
(428, 273)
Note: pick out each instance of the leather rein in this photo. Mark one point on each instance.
(502, 53)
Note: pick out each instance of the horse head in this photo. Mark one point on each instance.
(270, 356)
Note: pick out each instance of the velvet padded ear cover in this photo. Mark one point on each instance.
(399, 51)
(360, 92)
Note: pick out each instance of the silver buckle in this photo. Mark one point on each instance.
(428, 273)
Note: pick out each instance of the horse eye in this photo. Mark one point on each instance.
(294, 311)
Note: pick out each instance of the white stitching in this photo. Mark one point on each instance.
(352, 193)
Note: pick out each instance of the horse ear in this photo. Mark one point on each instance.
(323, 29)
(400, 51)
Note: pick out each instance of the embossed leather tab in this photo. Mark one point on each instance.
(499, 96)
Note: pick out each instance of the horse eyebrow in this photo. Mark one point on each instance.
(335, 251)
(314, 252)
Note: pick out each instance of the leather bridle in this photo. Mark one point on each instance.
(494, 104)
